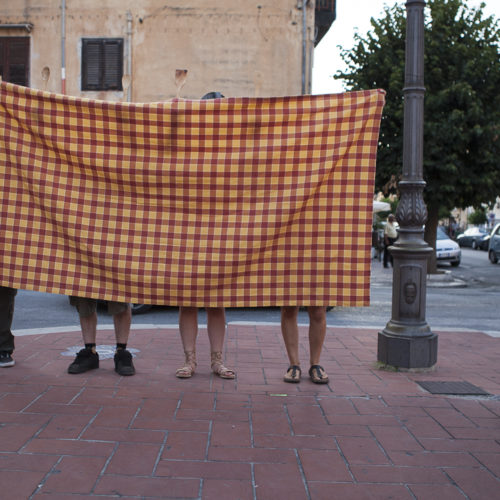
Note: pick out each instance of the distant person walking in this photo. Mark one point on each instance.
(390, 236)
(7, 296)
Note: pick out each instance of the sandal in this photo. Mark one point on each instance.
(187, 371)
(293, 374)
(318, 374)
(218, 368)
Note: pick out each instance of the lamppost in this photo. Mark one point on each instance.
(407, 341)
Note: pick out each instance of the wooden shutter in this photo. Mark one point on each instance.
(14, 59)
(113, 65)
(102, 63)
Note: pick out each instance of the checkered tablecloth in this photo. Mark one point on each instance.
(236, 202)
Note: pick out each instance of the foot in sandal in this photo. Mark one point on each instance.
(218, 367)
(187, 371)
(293, 374)
(318, 374)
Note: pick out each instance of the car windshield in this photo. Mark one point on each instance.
(441, 235)
(474, 230)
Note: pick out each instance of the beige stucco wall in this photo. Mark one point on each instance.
(237, 47)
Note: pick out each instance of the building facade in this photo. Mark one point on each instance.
(130, 49)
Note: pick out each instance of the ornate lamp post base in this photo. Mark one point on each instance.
(407, 341)
(407, 353)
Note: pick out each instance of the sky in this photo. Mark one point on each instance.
(354, 15)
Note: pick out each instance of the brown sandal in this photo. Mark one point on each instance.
(318, 374)
(218, 367)
(187, 371)
(293, 374)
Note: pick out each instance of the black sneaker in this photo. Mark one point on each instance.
(123, 363)
(6, 359)
(85, 360)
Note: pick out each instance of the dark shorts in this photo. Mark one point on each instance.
(86, 307)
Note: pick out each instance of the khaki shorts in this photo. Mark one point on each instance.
(86, 307)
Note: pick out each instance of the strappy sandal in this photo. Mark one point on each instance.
(318, 374)
(218, 367)
(187, 371)
(293, 374)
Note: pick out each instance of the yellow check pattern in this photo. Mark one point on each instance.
(234, 202)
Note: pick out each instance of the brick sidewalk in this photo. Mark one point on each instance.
(369, 434)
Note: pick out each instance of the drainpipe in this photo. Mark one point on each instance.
(304, 48)
(63, 46)
(129, 54)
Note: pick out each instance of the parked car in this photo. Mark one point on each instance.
(140, 308)
(473, 237)
(447, 250)
(494, 245)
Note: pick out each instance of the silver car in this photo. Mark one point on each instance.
(494, 245)
(447, 250)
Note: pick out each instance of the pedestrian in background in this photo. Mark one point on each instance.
(7, 296)
(390, 236)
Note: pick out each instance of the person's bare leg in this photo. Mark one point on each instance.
(122, 323)
(317, 333)
(216, 325)
(290, 332)
(89, 328)
(188, 328)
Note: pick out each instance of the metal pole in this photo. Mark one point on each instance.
(407, 341)
(129, 54)
(304, 34)
(63, 47)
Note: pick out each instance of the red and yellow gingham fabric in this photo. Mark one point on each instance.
(236, 202)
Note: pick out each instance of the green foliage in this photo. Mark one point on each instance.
(462, 100)
(478, 217)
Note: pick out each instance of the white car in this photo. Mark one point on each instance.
(447, 250)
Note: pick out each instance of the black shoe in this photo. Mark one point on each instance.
(6, 359)
(123, 363)
(85, 360)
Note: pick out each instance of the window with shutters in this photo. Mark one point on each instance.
(14, 59)
(102, 63)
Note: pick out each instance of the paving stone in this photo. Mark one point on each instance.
(74, 475)
(224, 489)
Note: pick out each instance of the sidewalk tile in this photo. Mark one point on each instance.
(14, 437)
(190, 469)
(490, 461)
(157, 487)
(224, 489)
(273, 481)
(433, 491)
(227, 434)
(349, 491)
(247, 454)
(360, 450)
(185, 446)
(74, 475)
(476, 483)
(124, 460)
(24, 483)
(324, 465)
(391, 474)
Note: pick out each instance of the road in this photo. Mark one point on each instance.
(474, 306)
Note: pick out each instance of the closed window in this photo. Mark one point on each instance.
(102, 63)
(14, 59)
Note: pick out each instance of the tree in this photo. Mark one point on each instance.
(478, 217)
(462, 102)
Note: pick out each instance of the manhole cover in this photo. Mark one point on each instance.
(456, 388)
